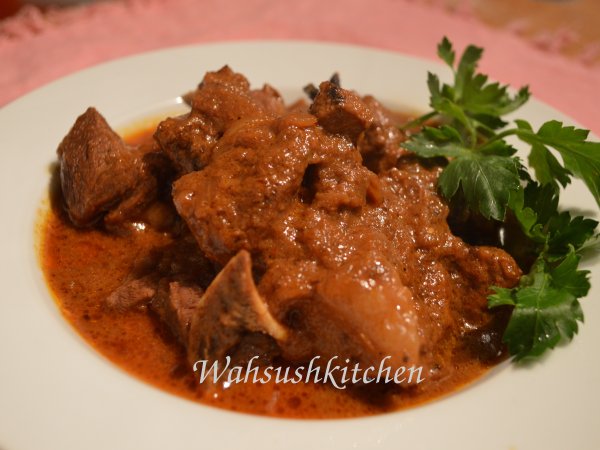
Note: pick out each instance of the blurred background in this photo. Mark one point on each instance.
(571, 26)
(552, 45)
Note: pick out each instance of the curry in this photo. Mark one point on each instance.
(252, 230)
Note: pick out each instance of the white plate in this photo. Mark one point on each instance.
(56, 392)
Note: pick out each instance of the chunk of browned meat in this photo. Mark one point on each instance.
(360, 264)
(222, 98)
(187, 140)
(269, 100)
(251, 196)
(448, 278)
(175, 304)
(256, 172)
(168, 276)
(132, 293)
(99, 173)
(341, 111)
(357, 265)
(364, 120)
(359, 311)
(230, 308)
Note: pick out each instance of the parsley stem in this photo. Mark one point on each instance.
(418, 121)
(504, 134)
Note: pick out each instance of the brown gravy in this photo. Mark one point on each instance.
(138, 344)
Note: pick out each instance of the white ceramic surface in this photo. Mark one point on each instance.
(56, 392)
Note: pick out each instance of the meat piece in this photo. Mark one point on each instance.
(341, 111)
(380, 143)
(269, 99)
(230, 308)
(364, 120)
(267, 96)
(187, 140)
(384, 300)
(175, 304)
(246, 199)
(356, 263)
(256, 172)
(131, 294)
(448, 278)
(167, 276)
(360, 311)
(100, 173)
(222, 98)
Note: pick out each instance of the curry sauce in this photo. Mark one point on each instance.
(83, 266)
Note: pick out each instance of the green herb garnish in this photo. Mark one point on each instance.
(482, 166)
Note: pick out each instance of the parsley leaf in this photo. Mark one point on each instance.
(471, 133)
(547, 168)
(446, 52)
(486, 181)
(536, 209)
(546, 309)
(546, 306)
(581, 157)
(483, 169)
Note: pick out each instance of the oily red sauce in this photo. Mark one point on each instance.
(83, 266)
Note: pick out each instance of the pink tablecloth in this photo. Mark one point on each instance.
(36, 48)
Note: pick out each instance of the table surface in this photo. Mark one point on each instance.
(553, 45)
(577, 20)
(575, 23)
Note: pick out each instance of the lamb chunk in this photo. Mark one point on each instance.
(175, 303)
(141, 200)
(341, 111)
(222, 98)
(225, 77)
(230, 308)
(389, 303)
(132, 293)
(98, 171)
(359, 311)
(173, 270)
(364, 120)
(379, 144)
(256, 170)
(187, 140)
(448, 278)
(269, 100)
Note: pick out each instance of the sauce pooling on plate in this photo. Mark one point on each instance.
(251, 230)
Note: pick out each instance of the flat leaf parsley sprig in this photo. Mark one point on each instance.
(482, 166)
